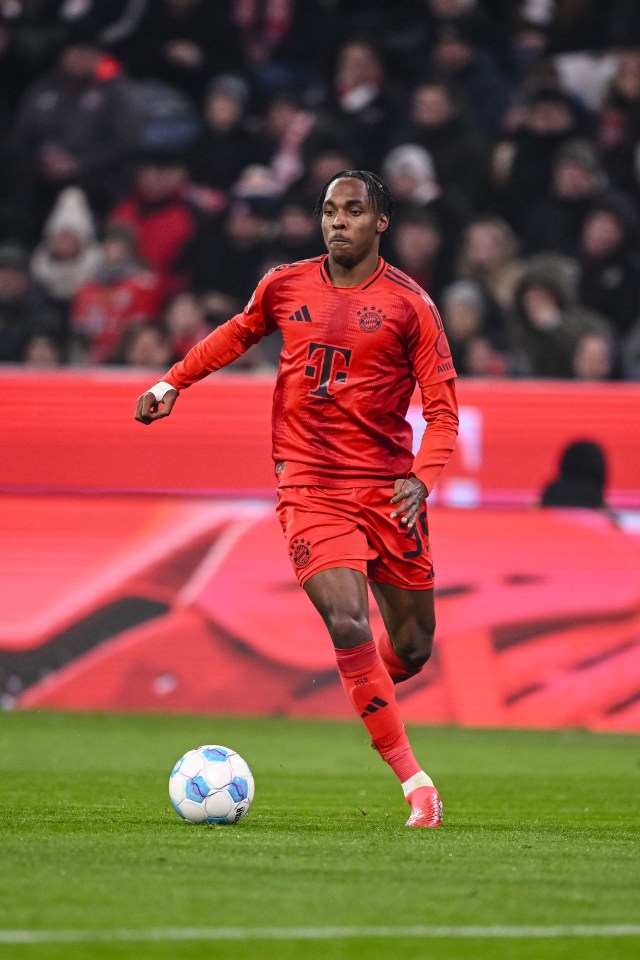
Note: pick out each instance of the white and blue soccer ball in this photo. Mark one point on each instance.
(211, 784)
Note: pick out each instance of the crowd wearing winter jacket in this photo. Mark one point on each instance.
(156, 159)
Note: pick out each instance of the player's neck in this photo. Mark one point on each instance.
(352, 276)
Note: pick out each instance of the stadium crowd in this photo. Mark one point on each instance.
(157, 157)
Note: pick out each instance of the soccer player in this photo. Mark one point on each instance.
(358, 334)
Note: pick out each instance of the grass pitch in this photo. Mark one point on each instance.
(541, 832)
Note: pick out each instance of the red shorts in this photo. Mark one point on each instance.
(327, 527)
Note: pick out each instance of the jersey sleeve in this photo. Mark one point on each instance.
(435, 373)
(226, 342)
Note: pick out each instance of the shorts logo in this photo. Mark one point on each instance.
(370, 319)
(300, 552)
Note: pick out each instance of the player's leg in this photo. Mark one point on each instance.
(330, 554)
(340, 596)
(409, 618)
(401, 575)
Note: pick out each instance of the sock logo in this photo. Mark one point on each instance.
(300, 552)
(373, 706)
(360, 682)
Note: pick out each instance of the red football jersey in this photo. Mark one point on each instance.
(348, 368)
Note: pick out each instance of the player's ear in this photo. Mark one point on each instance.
(383, 223)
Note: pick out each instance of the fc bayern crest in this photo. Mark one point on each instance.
(300, 552)
(370, 319)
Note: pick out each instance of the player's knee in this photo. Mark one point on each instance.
(416, 646)
(348, 630)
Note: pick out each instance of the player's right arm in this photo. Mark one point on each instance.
(220, 348)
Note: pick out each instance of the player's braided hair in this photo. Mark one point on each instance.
(379, 194)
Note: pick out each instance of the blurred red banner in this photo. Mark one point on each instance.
(183, 604)
(74, 431)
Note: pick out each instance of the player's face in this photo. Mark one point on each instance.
(350, 226)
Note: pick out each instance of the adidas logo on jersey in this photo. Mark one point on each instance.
(302, 315)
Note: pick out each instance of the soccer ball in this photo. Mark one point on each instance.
(211, 784)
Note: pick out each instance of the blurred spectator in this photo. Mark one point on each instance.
(475, 330)
(296, 235)
(581, 479)
(488, 256)
(225, 145)
(546, 321)
(610, 262)
(484, 360)
(528, 43)
(76, 126)
(619, 121)
(363, 101)
(411, 176)
(113, 25)
(485, 21)
(233, 270)
(436, 123)
(121, 295)
(145, 345)
(471, 71)
(594, 355)
(215, 137)
(42, 351)
(320, 165)
(541, 75)
(578, 180)
(23, 311)
(579, 25)
(35, 34)
(166, 224)
(417, 248)
(262, 28)
(167, 120)
(40, 27)
(68, 254)
(286, 130)
(184, 42)
(186, 323)
(549, 119)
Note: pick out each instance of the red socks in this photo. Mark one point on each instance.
(369, 687)
(397, 669)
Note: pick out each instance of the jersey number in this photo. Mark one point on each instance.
(419, 535)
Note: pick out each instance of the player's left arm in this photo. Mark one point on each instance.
(440, 410)
(220, 348)
(431, 360)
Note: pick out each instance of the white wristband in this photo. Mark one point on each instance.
(160, 389)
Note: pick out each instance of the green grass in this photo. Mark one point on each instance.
(541, 829)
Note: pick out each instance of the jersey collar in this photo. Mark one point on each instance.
(377, 273)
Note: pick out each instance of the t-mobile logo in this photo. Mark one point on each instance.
(325, 365)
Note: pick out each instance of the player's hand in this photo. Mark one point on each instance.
(149, 409)
(409, 494)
